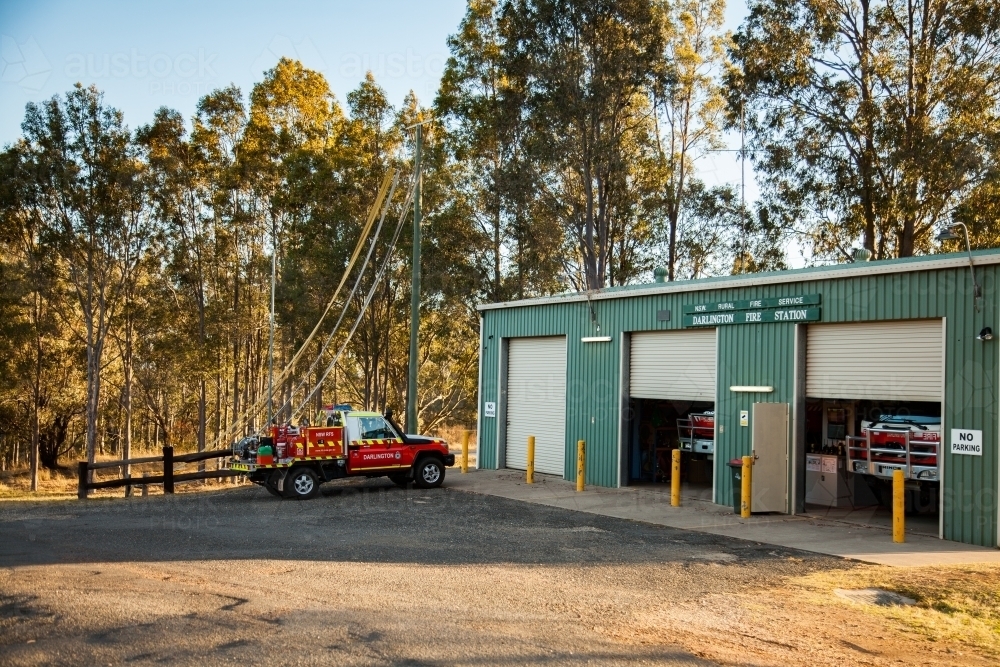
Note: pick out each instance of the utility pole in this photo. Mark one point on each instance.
(270, 344)
(411, 385)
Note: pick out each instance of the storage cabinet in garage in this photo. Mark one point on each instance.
(826, 481)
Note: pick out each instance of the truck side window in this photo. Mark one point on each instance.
(374, 428)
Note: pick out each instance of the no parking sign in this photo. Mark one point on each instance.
(964, 441)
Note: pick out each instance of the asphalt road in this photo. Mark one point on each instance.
(365, 574)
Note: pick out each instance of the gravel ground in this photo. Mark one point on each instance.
(371, 574)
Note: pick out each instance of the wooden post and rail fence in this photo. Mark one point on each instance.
(167, 479)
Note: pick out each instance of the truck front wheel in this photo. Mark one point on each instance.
(429, 473)
(301, 484)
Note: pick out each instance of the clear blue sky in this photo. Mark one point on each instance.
(145, 55)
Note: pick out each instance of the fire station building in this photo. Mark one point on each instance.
(833, 377)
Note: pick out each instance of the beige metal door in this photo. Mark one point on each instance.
(536, 403)
(770, 447)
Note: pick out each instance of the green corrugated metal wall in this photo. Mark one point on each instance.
(763, 354)
(769, 362)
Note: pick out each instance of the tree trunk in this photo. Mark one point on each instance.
(218, 399)
(202, 416)
(589, 255)
(33, 458)
(35, 400)
(127, 404)
(93, 402)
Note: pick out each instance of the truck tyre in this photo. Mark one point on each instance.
(301, 484)
(400, 480)
(429, 473)
(271, 483)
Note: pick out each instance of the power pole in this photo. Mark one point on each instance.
(411, 385)
(270, 343)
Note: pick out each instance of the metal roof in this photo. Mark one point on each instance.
(829, 272)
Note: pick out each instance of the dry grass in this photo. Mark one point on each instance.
(955, 604)
(61, 484)
(15, 484)
(453, 436)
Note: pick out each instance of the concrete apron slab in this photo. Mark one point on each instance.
(868, 543)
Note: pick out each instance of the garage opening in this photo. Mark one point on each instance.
(672, 406)
(873, 406)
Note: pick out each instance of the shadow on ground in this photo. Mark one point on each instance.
(369, 522)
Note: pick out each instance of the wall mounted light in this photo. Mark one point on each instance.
(985, 334)
(752, 389)
(596, 339)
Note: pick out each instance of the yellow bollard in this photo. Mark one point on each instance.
(531, 460)
(747, 487)
(675, 479)
(465, 452)
(898, 506)
(581, 467)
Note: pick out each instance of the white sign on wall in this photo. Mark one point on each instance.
(964, 441)
(490, 409)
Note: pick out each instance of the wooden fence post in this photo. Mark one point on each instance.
(81, 489)
(168, 469)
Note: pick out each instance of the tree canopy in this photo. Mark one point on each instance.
(563, 151)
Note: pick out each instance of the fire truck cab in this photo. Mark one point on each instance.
(292, 462)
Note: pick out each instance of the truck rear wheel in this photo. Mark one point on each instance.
(430, 473)
(301, 484)
(271, 483)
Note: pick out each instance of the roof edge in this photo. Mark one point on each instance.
(946, 261)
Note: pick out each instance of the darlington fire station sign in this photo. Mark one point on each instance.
(803, 308)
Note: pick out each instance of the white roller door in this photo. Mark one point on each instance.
(536, 402)
(889, 361)
(673, 365)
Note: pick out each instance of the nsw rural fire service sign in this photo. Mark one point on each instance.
(967, 442)
(804, 308)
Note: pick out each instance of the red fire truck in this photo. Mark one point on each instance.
(897, 442)
(696, 432)
(292, 462)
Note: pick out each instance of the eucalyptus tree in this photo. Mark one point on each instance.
(588, 68)
(481, 104)
(86, 184)
(689, 107)
(870, 122)
(180, 197)
(28, 317)
(217, 129)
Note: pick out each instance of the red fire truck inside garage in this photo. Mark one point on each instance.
(292, 462)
